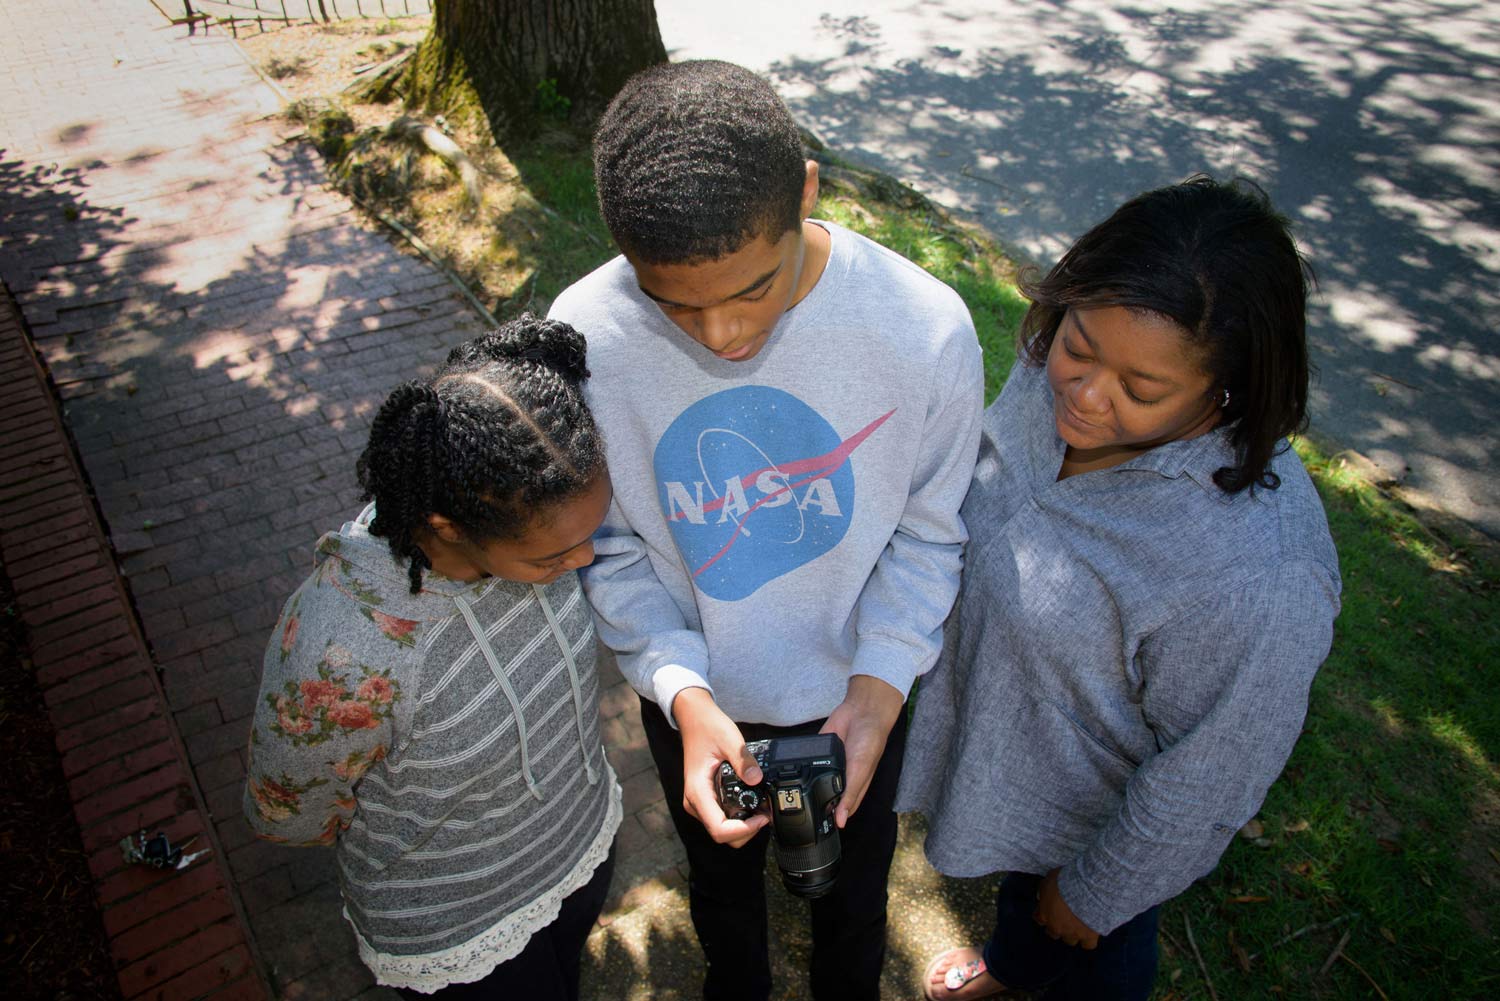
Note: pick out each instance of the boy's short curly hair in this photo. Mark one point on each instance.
(695, 159)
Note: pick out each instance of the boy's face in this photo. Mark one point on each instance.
(731, 304)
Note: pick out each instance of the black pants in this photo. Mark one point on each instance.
(548, 968)
(727, 891)
(1021, 954)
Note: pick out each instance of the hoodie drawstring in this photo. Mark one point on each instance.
(510, 692)
(567, 649)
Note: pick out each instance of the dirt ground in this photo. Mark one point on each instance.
(313, 60)
(53, 946)
(485, 236)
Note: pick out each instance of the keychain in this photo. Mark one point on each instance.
(158, 852)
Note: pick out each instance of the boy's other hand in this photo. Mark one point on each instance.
(1057, 918)
(862, 721)
(709, 737)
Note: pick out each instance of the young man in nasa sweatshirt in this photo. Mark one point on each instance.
(791, 415)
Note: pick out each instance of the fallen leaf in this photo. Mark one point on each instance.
(1388, 845)
(1303, 868)
(1263, 842)
(1388, 935)
(1248, 900)
(1252, 830)
(1297, 828)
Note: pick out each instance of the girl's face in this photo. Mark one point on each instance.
(557, 541)
(1125, 381)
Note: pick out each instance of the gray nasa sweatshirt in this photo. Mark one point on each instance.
(447, 742)
(782, 523)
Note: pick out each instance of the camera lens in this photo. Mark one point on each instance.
(809, 871)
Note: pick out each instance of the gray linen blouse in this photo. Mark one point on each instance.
(1127, 667)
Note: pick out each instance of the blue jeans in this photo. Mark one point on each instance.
(1021, 954)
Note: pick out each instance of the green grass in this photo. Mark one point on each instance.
(979, 273)
(574, 240)
(1390, 806)
(1388, 815)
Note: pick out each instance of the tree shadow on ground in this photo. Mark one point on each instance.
(1374, 128)
(219, 385)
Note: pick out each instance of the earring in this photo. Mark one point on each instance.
(1224, 402)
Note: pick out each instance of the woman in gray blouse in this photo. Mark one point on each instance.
(1149, 589)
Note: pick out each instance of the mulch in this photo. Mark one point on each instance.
(54, 946)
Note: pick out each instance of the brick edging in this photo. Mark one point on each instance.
(176, 935)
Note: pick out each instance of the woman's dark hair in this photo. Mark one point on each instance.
(1217, 260)
(695, 159)
(500, 433)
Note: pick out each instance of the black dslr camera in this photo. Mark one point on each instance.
(803, 780)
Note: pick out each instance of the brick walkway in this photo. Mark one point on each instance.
(219, 327)
(175, 934)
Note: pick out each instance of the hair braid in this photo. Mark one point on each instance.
(498, 435)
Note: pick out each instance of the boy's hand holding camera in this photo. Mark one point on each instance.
(862, 721)
(709, 737)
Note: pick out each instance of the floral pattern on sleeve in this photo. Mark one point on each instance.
(313, 711)
(289, 629)
(339, 574)
(323, 722)
(280, 798)
(399, 630)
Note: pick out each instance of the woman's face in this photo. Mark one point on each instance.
(1126, 381)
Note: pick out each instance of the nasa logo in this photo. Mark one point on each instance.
(754, 483)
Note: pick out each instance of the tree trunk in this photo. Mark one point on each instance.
(529, 60)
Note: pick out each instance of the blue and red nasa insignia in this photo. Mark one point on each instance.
(754, 484)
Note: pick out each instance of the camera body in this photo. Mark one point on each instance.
(803, 780)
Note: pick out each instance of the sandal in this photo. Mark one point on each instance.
(961, 969)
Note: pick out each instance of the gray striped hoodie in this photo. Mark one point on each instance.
(447, 742)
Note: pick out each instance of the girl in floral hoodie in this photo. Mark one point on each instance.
(429, 703)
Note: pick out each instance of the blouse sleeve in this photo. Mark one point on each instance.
(1225, 691)
(324, 717)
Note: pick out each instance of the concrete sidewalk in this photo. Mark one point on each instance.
(1373, 126)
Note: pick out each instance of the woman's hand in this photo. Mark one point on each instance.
(1057, 918)
(709, 737)
(863, 721)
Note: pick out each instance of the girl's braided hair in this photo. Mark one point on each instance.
(500, 433)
